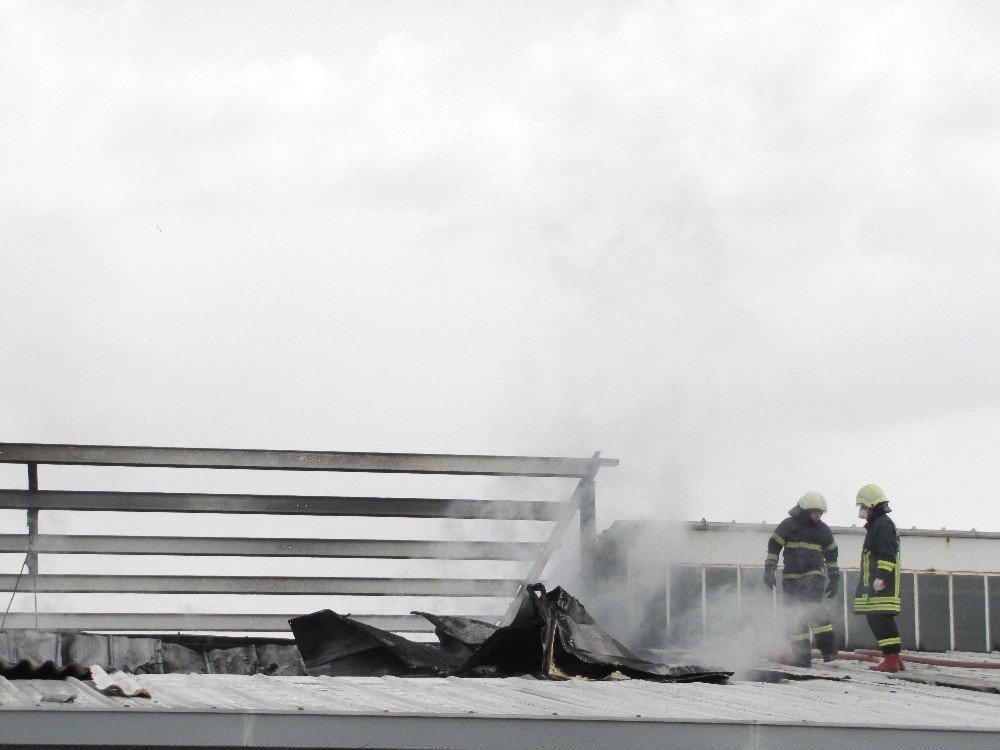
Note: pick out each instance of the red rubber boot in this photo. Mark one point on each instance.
(889, 663)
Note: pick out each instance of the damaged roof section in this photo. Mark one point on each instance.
(335, 645)
(37, 654)
(552, 636)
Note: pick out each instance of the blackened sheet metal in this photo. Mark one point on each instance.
(513, 650)
(557, 638)
(39, 654)
(191, 657)
(179, 659)
(27, 669)
(460, 636)
(114, 652)
(552, 636)
(35, 654)
(279, 660)
(335, 645)
(578, 638)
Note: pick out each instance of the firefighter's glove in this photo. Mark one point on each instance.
(769, 579)
(878, 585)
(831, 587)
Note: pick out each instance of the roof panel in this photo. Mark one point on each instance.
(820, 701)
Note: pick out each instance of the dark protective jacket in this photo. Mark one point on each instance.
(879, 559)
(809, 547)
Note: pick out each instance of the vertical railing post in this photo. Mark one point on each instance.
(587, 489)
(951, 611)
(704, 600)
(32, 556)
(667, 583)
(32, 522)
(739, 594)
(986, 611)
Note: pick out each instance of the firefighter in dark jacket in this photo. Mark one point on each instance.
(810, 572)
(877, 596)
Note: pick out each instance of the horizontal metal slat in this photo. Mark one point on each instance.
(289, 547)
(93, 584)
(174, 622)
(171, 502)
(228, 458)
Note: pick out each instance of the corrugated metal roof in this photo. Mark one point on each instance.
(812, 701)
(426, 710)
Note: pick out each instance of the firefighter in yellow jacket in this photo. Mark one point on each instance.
(877, 595)
(810, 572)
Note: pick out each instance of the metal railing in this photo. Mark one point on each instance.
(941, 610)
(558, 513)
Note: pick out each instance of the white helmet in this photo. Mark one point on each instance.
(812, 501)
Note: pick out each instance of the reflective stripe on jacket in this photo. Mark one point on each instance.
(809, 548)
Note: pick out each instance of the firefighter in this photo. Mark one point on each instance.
(810, 572)
(877, 596)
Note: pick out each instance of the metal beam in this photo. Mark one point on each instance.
(111, 726)
(401, 549)
(227, 458)
(171, 502)
(108, 584)
(33, 501)
(734, 526)
(164, 622)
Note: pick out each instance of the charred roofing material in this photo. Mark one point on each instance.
(552, 636)
(459, 635)
(558, 638)
(335, 645)
(116, 652)
(35, 654)
(38, 654)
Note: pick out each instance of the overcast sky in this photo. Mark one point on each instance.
(748, 248)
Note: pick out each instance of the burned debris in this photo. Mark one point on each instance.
(38, 654)
(335, 645)
(552, 636)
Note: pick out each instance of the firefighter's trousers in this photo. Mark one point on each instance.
(885, 630)
(806, 615)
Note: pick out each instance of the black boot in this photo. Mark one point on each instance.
(827, 645)
(801, 655)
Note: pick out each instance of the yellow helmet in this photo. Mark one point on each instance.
(871, 495)
(812, 501)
